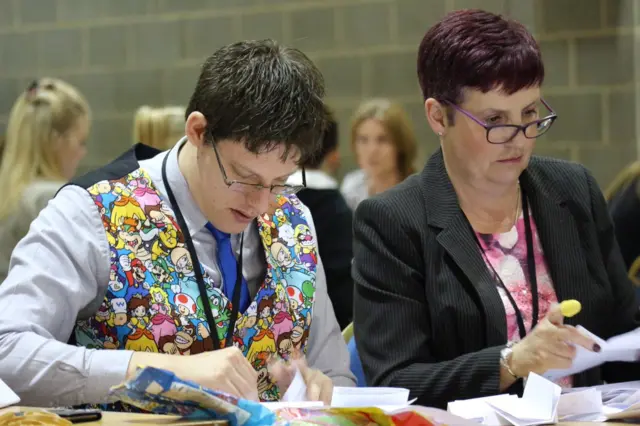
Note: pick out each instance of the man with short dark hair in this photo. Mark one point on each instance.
(333, 219)
(202, 250)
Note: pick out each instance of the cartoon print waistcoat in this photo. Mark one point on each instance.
(153, 302)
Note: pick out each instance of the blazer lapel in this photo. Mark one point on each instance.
(458, 241)
(557, 231)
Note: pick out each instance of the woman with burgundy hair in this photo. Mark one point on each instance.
(459, 269)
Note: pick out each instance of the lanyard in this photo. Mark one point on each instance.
(531, 269)
(197, 269)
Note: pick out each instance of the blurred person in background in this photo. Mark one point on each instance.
(333, 219)
(385, 148)
(44, 144)
(623, 197)
(158, 128)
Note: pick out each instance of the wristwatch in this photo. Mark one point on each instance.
(505, 357)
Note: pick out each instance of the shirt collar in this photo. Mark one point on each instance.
(316, 179)
(193, 217)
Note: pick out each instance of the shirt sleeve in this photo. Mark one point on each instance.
(327, 350)
(59, 268)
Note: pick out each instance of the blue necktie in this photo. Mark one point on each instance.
(228, 265)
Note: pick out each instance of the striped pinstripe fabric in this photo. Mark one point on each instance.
(427, 314)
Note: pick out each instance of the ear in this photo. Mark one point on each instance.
(195, 128)
(436, 116)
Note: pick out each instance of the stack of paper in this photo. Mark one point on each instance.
(538, 405)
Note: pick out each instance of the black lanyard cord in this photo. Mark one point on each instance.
(531, 270)
(206, 303)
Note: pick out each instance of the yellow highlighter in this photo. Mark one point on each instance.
(570, 308)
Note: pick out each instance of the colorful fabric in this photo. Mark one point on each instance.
(153, 303)
(506, 253)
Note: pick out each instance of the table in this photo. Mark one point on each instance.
(113, 419)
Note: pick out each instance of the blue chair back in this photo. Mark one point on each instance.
(356, 365)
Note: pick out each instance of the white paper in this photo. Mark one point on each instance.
(538, 405)
(581, 406)
(479, 410)
(297, 391)
(391, 398)
(625, 347)
(7, 396)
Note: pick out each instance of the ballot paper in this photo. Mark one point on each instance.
(7, 396)
(624, 348)
(383, 397)
(538, 405)
(297, 390)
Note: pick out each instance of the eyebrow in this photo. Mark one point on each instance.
(252, 173)
(501, 111)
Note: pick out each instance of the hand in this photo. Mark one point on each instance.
(319, 386)
(550, 345)
(226, 370)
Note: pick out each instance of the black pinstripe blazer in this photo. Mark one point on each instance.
(428, 315)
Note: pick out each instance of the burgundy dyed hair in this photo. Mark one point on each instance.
(479, 50)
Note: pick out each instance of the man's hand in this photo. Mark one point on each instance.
(226, 370)
(319, 386)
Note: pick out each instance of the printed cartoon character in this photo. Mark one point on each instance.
(306, 247)
(219, 310)
(285, 345)
(286, 234)
(126, 207)
(167, 240)
(119, 307)
(186, 307)
(282, 256)
(265, 308)
(129, 236)
(184, 267)
(141, 341)
(117, 284)
(139, 309)
(103, 194)
(162, 323)
(266, 390)
(167, 345)
(139, 184)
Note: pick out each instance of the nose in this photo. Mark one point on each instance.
(259, 200)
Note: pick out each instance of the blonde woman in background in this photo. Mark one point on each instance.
(159, 128)
(385, 148)
(44, 143)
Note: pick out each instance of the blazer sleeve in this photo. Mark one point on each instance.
(625, 311)
(391, 316)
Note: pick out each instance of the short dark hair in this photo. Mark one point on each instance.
(329, 143)
(479, 50)
(263, 95)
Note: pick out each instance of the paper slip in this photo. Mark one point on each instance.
(388, 399)
(297, 390)
(7, 396)
(625, 347)
(538, 405)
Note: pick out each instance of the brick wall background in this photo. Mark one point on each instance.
(125, 53)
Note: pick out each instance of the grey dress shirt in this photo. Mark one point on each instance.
(60, 272)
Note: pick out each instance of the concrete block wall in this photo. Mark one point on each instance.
(125, 53)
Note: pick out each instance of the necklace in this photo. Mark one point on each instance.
(515, 219)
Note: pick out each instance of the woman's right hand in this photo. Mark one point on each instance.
(550, 345)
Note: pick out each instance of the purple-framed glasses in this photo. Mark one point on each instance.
(503, 133)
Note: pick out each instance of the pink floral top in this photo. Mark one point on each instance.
(507, 255)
